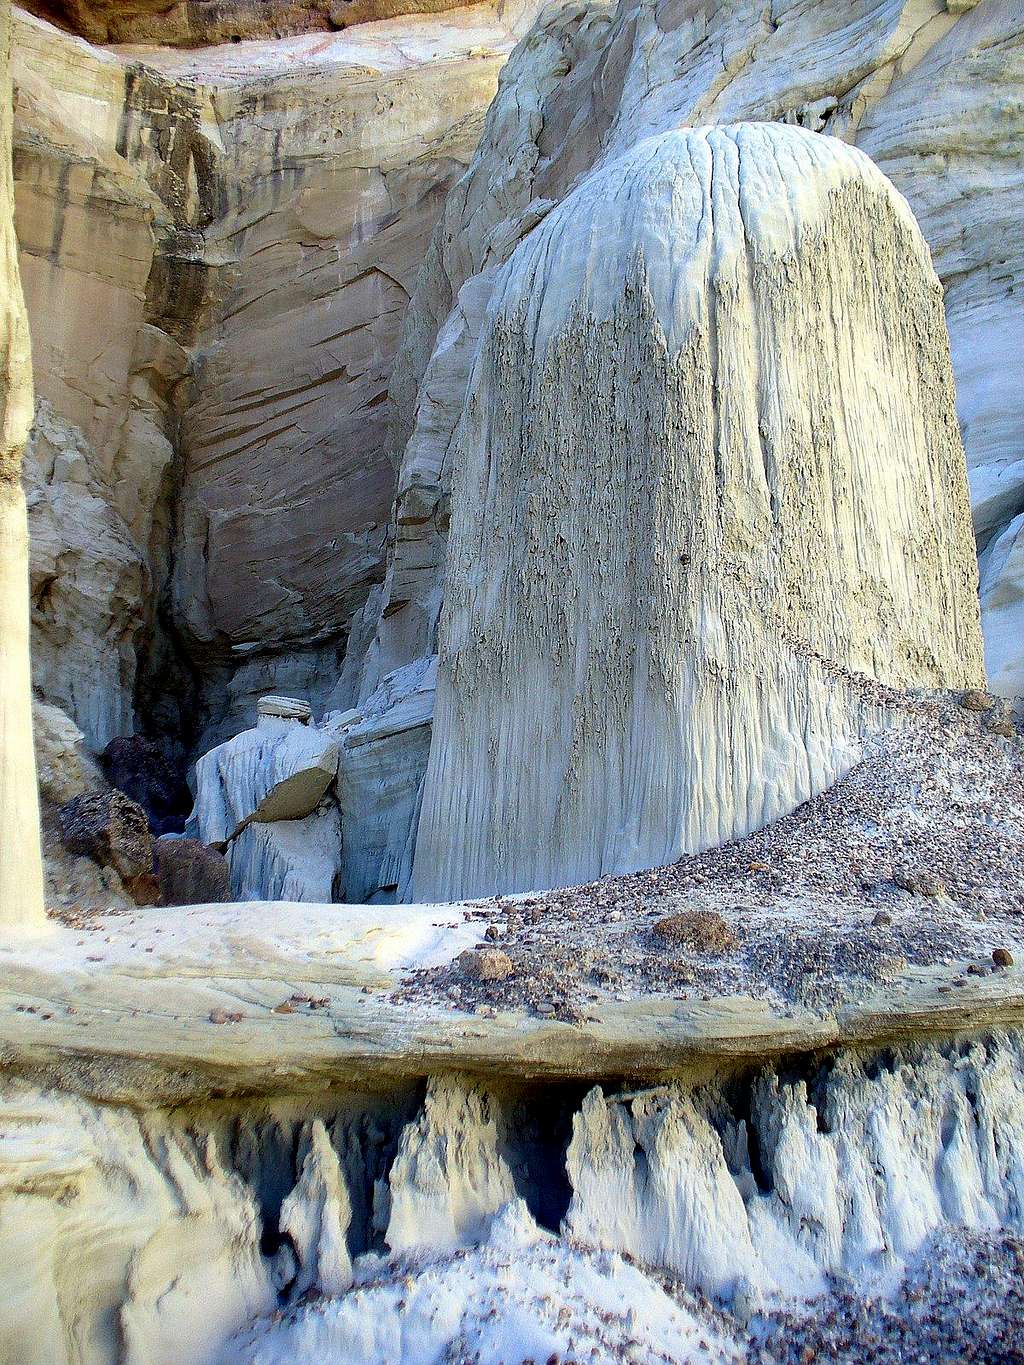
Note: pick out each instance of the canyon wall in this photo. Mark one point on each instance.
(253, 351)
(218, 248)
(586, 83)
(931, 92)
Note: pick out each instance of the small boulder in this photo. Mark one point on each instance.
(703, 931)
(139, 767)
(110, 828)
(1002, 957)
(976, 700)
(1002, 726)
(285, 708)
(191, 873)
(918, 882)
(485, 964)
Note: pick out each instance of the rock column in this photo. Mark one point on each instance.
(21, 868)
(709, 503)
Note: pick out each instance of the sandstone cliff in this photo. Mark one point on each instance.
(218, 249)
(21, 868)
(930, 92)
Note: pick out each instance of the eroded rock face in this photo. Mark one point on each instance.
(65, 767)
(915, 86)
(854, 1174)
(186, 1226)
(218, 250)
(639, 657)
(263, 795)
(21, 864)
(192, 23)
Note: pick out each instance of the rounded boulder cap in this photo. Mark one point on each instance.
(285, 708)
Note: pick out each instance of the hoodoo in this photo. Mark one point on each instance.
(710, 501)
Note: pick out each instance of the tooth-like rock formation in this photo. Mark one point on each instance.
(450, 1177)
(316, 1217)
(21, 864)
(708, 480)
(850, 1175)
(158, 1236)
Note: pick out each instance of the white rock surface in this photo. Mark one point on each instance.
(922, 87)
(264, 794)
(522, 1295)
(125, 1238)
(384, 747)
(450, 1176)
(638, 655)
(1001, 567)
(278, 771)
(851, 1177)
(289, 860)
(316, 1217)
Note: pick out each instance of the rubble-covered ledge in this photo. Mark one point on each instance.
(163, 1007)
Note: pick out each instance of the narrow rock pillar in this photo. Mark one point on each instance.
(21, 866)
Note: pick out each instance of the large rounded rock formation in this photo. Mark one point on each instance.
(710, 501)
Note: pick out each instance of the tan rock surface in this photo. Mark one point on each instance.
(21, 866)
(118, 1022)
(218, 249)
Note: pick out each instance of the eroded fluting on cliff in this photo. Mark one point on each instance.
(641, 653)
(154, 1236)
(916, 86)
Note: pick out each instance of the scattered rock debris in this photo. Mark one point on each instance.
(816, 905)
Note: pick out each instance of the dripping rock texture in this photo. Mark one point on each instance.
(709, 487)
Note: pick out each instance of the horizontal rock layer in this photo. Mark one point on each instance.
(182, 1227)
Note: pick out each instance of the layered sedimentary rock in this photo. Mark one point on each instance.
(21, 866)
(218, 249)
(639, 656)
(194, 23)
(105, 371)
(160, 1235)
